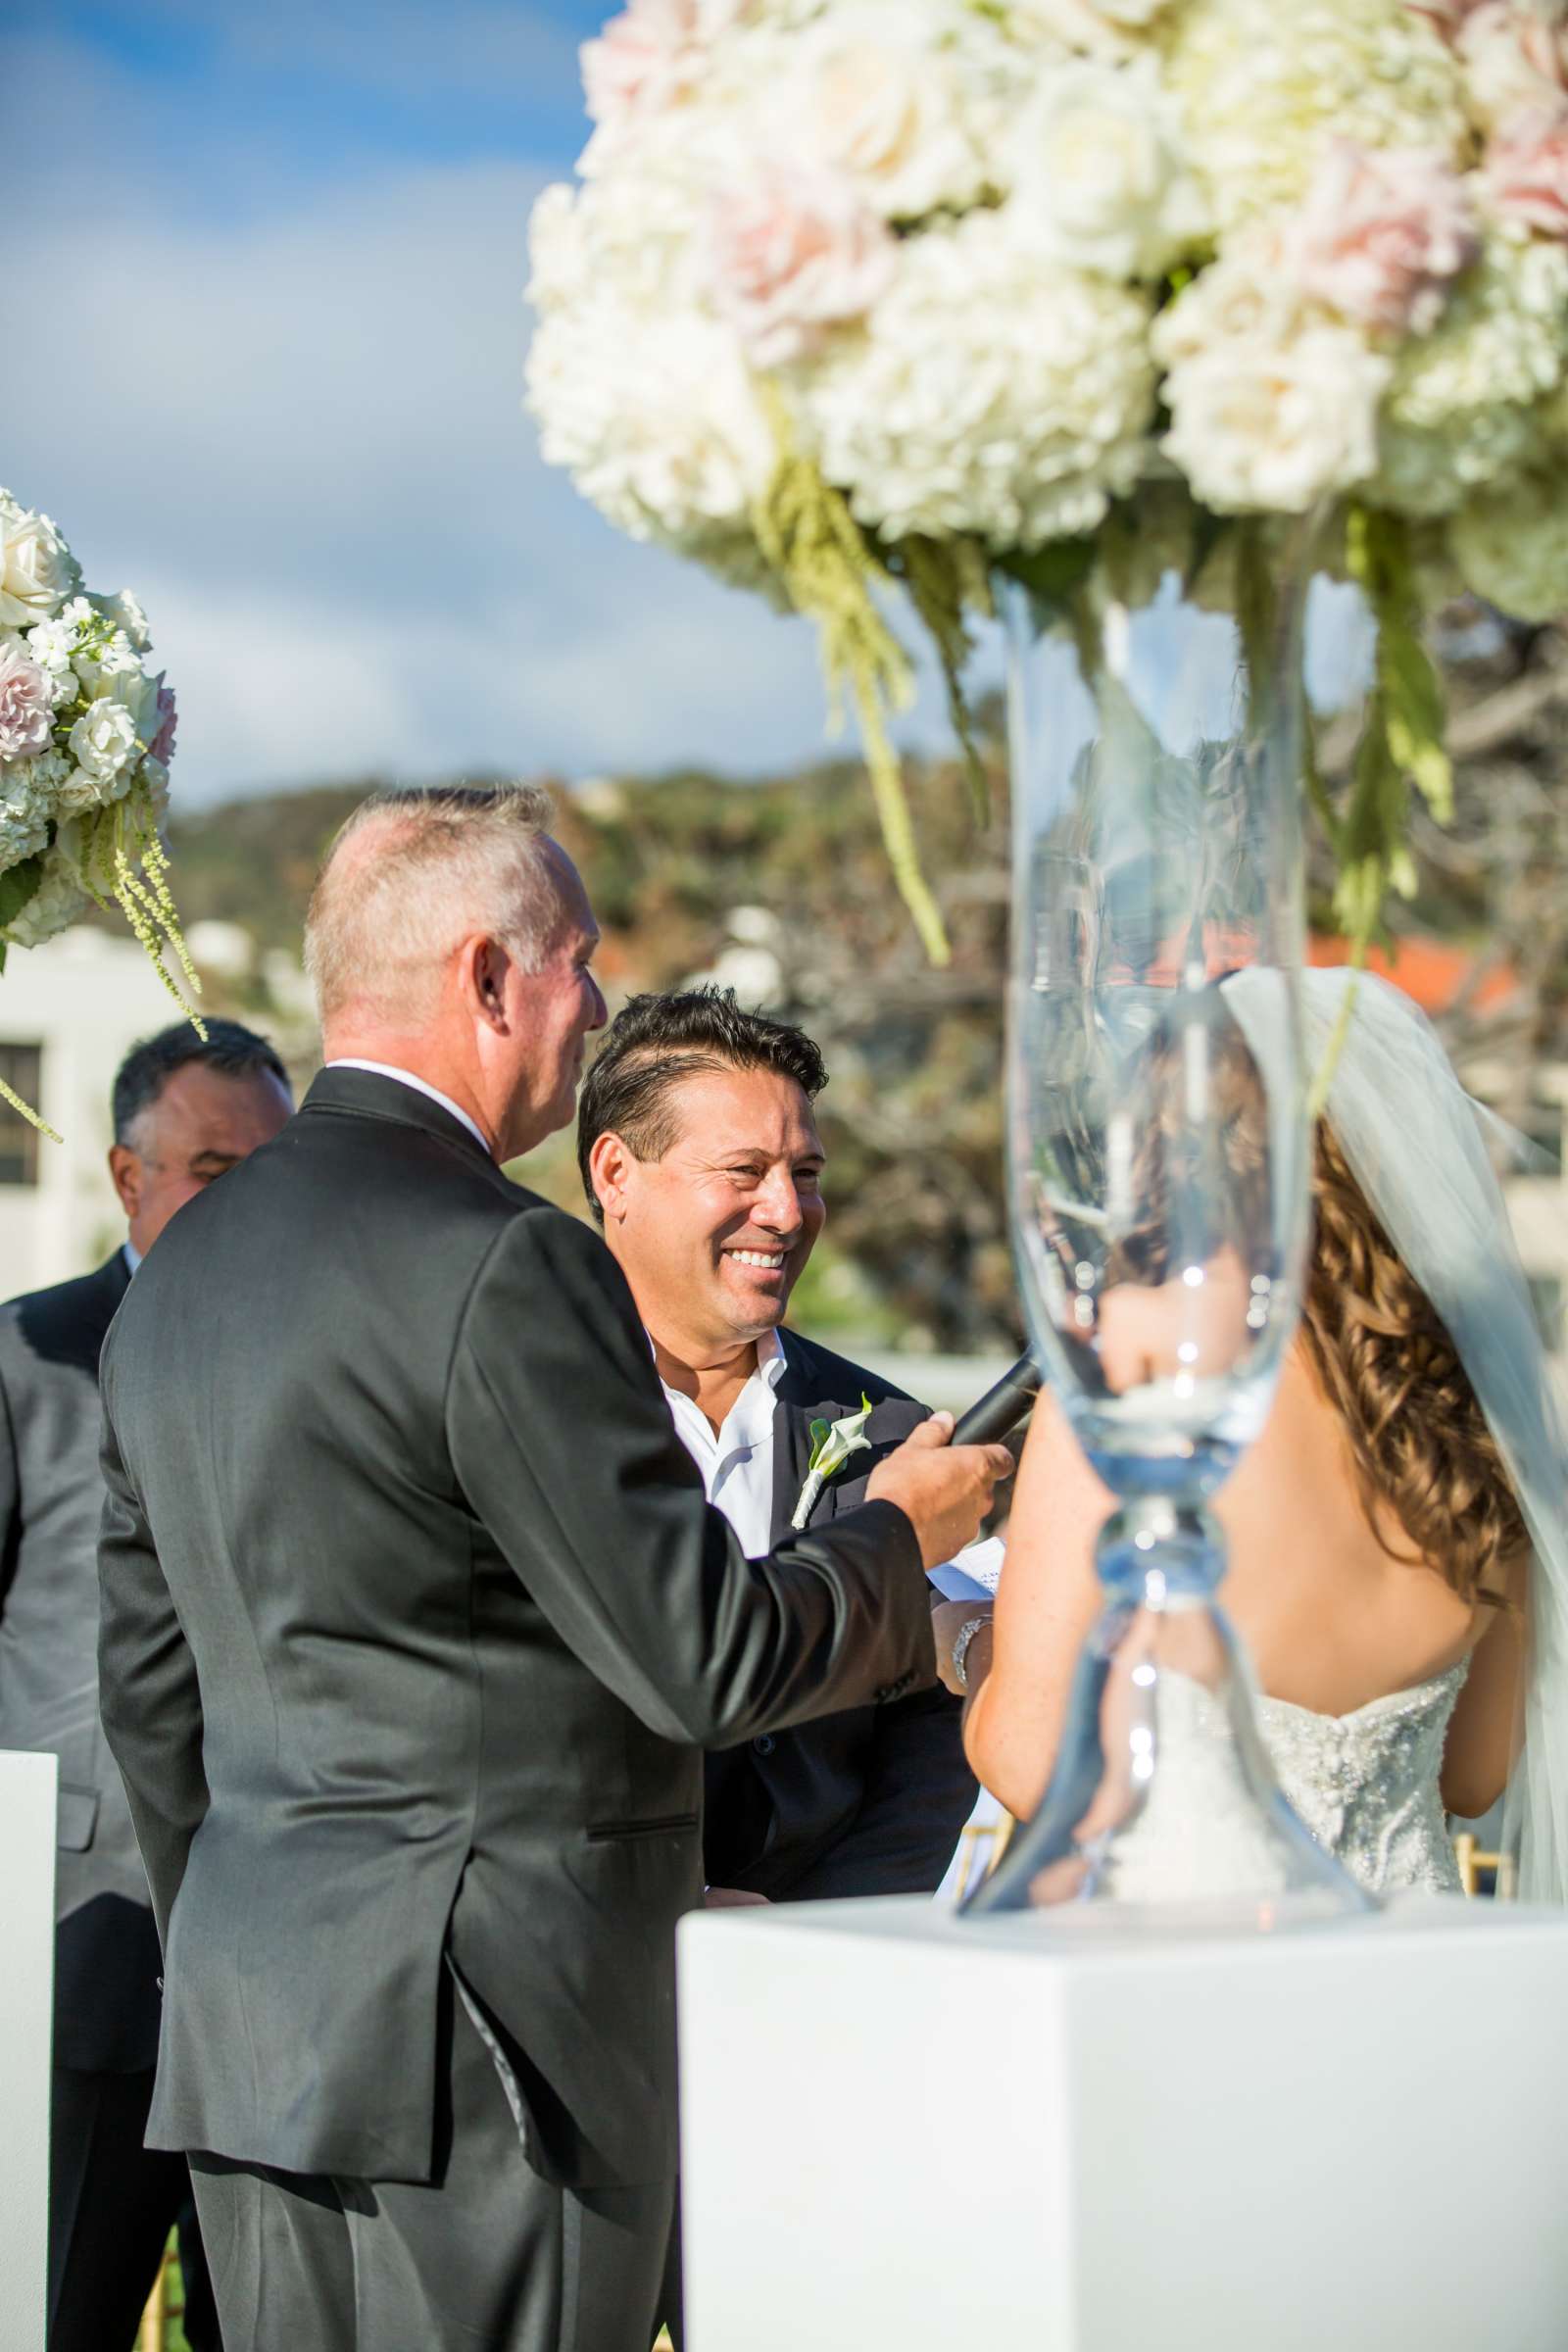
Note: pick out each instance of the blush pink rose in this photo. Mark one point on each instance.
(1526, 171)
(26, 707)
(641, 59)
(162, 742)
(794, 252)
(1381, 234)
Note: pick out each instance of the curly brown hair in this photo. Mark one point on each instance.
(1384, 1359)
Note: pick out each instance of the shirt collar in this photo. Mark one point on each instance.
(132, 1256)
(420, 1086)
(770, 1356)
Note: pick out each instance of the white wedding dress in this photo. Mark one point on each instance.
(1365, 1784)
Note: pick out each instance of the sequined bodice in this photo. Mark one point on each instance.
(1366, 1783)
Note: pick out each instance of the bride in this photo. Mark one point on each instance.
(1398, 1533)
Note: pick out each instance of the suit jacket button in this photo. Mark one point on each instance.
(762, 1744)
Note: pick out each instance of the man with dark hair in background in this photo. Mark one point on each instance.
(184, 1111)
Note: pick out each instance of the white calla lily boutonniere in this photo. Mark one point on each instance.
(832, 1444)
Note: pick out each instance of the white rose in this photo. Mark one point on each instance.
(1271, 428)
(1100, 166)
(884, 103)
(103, 741)
(1251, 295)
(37, 571)
(99, 672)
(1513, 62)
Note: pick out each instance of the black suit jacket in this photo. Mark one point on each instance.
(869, 1800)
(414, 1619)
(51, 1501)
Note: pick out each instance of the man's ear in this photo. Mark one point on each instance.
(482, 967)
(609, 1165)
(124, 1174)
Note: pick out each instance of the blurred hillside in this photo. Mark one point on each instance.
(780, 889)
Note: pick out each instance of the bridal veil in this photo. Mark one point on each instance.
(1416, 1141)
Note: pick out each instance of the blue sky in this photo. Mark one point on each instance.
(277, 252)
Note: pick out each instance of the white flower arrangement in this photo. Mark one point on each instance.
(86, 733)
(934, 292)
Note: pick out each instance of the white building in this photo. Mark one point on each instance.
(68, 1014)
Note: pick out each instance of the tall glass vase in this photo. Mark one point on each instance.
(1159, 1171)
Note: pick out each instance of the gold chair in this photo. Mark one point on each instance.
(1474, 1864)
(153, 2335)
(981, 1846)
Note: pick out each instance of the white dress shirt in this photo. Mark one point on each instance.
(420, 1086)
(737, 1467)
(737, 1463)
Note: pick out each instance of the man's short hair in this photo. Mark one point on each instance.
(655, 1043)
(229, 1048)
(411, 875)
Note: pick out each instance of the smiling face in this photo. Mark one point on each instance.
(714, 1234)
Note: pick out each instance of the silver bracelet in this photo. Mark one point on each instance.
(961, 1649)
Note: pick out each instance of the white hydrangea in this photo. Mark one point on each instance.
(1267, 86)
(1100, 159)
(1511, 547)
(1462, 410)
(27, 801)
(58, 900)
(655, 417)
(638, 389)
(991, 392)
(52, 646)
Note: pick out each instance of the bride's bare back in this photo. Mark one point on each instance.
(1332, 1619)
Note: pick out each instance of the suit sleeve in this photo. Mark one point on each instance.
(148, 1692)
(9, 1494)
(566, 1449)
(919, 1793)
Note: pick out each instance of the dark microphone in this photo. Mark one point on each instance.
(1003, 1407)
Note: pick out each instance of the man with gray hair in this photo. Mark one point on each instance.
(414, 1619)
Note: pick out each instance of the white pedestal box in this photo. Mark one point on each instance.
(26, 2023)
(905, 2131)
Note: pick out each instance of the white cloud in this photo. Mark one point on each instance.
(296, 431)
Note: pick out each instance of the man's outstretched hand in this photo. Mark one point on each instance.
(943, 1490)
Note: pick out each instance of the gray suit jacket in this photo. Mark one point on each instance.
(51, 1501)
(414, 1619)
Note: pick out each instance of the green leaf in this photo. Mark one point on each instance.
(19, 887)
(1414, 716)
(1050, 572)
